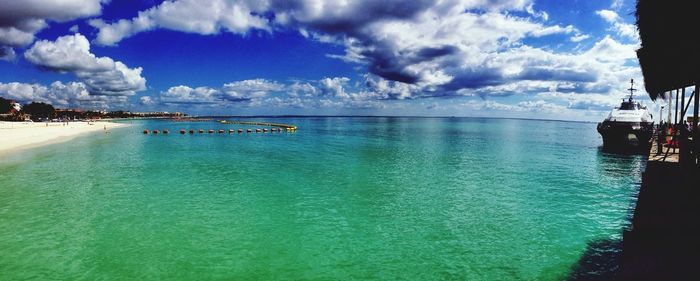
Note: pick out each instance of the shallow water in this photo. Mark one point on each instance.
(342, 198)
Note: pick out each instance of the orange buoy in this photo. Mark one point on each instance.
(145, 132)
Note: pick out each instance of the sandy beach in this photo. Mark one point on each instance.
(21, 135)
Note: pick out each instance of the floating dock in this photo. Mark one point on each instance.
(278, 125)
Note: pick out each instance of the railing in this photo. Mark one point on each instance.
(681, 148)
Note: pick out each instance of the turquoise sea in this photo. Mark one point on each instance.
(343, 198)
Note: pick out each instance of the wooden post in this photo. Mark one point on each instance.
(682, 103)
(670, 107)
(696, 134)
(695, 110)
(675, 121)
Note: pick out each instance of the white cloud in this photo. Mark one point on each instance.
(421, 48)
(302, 89)
(334, 86)
(623, 29)
(414, 49)
(579, 37)
(617, 4)
(194, 16)
(334, 91)
(20, 20)
(101, 75)
(185, 94)
(539, 106)
(59, 94)
(244, 92)
(554, 29)
(247, 90)
(146, 100)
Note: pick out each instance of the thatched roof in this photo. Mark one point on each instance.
(670, 56)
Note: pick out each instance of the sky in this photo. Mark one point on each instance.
(547, 59)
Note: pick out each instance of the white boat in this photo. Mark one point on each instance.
(628, 126)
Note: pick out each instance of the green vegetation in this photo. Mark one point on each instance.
(39, 110)
(5, 106)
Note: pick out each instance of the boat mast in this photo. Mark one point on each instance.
(631, 89)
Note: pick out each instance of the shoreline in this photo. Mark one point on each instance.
(19, 136)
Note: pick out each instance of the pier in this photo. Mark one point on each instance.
(662, 243)
(278, 125)
(220, 131)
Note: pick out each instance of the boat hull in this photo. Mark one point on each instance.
(626, 135)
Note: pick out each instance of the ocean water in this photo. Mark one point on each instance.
(340, 199)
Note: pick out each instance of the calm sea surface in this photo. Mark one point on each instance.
(342, 198)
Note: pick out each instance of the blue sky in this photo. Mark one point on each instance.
(504, 58)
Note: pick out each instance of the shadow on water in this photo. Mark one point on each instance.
(625, 150)
(600, 261)
(602, 258)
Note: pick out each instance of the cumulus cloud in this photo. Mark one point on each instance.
(146, 101)
(194, 16)
(302, 89)
(101, 75)
(540, 106)
(214, 16)
(411, 49)
(186, 95)
(21, 20)
(623, 29)
(59, 94)
(334, 86)
(247, 90)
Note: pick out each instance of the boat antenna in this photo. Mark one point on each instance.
(631, 89)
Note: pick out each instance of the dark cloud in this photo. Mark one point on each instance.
(7, 53)
(557, 74)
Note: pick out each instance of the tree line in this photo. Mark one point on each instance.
(37, 110)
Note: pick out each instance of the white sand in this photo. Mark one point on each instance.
(21, 135)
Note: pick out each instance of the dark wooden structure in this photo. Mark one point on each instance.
(662, 243)
(670, 59)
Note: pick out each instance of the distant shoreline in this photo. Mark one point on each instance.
(381, 116)
(18, 136)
